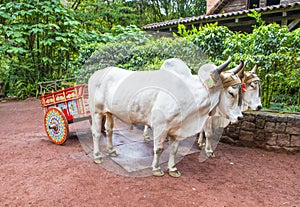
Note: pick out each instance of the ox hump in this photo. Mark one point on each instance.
(177, 67)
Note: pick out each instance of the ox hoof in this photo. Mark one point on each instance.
(201, 145)
(147, 139)
(98, 160)
(113, 154)
(210, 154)
(175, 174)
(158, 173)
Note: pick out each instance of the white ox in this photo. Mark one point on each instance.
(229, 82)
(250, 99)
(169, 100)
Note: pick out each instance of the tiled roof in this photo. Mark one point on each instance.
(190, 20)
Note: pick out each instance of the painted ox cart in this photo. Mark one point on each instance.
(63, 107)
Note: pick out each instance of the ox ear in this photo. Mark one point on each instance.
(254, 70)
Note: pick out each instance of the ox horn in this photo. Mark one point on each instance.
(222, 67)
(254, 70)
(238, 68)
(241, 73)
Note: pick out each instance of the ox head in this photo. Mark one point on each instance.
(224, 89)
(251, 96)
(231, 95)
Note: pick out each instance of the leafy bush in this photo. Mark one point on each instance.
(209, 38)
(284, 108)
(150, 55)
(117, 34)
(39, 39)
(272, 46)
(277, 51)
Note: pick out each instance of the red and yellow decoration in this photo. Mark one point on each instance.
(56, 125)
(61, 108)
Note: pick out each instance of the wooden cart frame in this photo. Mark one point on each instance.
(63, 107)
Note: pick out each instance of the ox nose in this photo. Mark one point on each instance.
(240, 118)
(259, 108)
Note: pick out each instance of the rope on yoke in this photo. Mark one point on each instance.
(230, 81)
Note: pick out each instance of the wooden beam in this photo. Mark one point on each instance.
(244, 23)
(293, 24)
(279, 18)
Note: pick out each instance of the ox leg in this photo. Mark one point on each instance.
(208, 134)
(201, 140)
(146, 134)
(109, 125)
(96, 132)
(173, 147)
(208, 149)
(158, 149)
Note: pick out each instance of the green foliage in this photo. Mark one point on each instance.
(209, 38)
(277, 51)
(101, 16)
(275, 48)
(148, 55)
(257, 17)
(284, 108)
(131, 34)
(173, 9)
(158, 50)
(38, 40)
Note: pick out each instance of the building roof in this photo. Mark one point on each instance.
(203, 19)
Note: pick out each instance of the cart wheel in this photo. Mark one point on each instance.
(56, 125)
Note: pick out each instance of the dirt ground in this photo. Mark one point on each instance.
(35, 172)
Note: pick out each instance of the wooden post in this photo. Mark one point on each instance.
(284, 20)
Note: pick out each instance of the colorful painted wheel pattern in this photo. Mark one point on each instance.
(56, 125)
